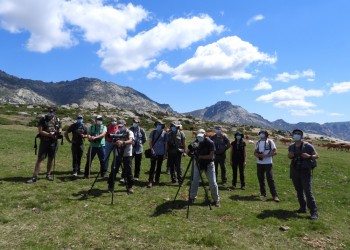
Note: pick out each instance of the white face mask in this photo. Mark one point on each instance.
(135, 125)
(98, 122)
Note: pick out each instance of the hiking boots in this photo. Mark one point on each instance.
(130, 191)
(149, 185)
(276, 199)
(32, 180)
(314, 216)
(49, 177)
(217, 203)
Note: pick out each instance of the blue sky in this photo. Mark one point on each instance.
(281, 59)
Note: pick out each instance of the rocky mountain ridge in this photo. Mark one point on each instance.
(92, 92)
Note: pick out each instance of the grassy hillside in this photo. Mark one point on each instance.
(55, 215)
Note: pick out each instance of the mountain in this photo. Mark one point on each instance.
(225, 111)
(87, 92)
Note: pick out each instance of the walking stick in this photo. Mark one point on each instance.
(90, 149)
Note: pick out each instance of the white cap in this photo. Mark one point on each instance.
(200, 132)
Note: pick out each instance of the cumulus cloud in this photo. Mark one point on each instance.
(293, 97)
(304, 112)
(230, 92)
(262, 85)
(341, 87)
(60, 23)
(255, 19)
(153, 75)
(141, 50)
(286, 77)
(227, 58)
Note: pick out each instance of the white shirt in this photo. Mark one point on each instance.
(264, 147)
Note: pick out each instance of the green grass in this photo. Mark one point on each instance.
(56, 215)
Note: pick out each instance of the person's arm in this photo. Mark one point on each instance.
(67, 136)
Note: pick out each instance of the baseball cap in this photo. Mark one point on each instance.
(200, 133)
(79, 117)
(99, 118)
(121, 123)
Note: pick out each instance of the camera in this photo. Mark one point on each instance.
(297, 162)
(118, 136)
(193, 148)
(58, 135)
(260, 158)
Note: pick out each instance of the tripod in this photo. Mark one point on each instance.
(115, 150)
(194, 163)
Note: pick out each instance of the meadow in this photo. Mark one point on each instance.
(58, 214)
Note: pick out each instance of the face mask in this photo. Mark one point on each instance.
(238, 137)
(114, 123)
(262, 136)
(80, 121)
(297, 137)
(135, 125)
(98, 122)
(218, 131)
(159, 127)
(173, 129)
(121, 129)
(200, 139)
(50, 114)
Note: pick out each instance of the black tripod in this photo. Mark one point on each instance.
(113, 167)
(194, 163)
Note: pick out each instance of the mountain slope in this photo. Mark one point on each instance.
(83, 91)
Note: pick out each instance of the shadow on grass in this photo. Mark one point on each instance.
(244, 198)
(15, 179)
(279, 214)
(168, 206)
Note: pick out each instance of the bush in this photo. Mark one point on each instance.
(5, 121)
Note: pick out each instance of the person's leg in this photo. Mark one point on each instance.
(178, 168)
(241, 174)
(310, 199)
(137, 158)
(89, 158)
(159, 167)
(212, 182)
(222, 163)
(108, 152)
(101, 153)
(74, 157)
(234, 173)
(194, 183)
(171, 165)
(261, 177)
(52, 150)
(80, 153)
(270, 180)
(151, 170)
(298, 185)
(127, 163)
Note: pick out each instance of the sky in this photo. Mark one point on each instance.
(280, 59)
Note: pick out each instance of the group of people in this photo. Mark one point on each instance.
(126, 146)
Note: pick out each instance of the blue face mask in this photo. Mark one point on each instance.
(159, 127)
(79, 121)
(218, 131)
(200, 139)
(238, 137)
(173, 129)
(114, 123)
(297, 137)
(121, 129)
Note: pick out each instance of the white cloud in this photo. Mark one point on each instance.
(141, 50)
(304, 112)
(225, 59)
(335, 114)
(293, 97)
(255, 19)
(230, 92)
(262, 85)
(153, 75)
(286, 77)
(60, 23)
(341, 87)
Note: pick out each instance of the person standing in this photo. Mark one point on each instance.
(157, 141)
(123, 157)
(303, 155)
(49, 129)
(137, 147)
(205, 156)
(265, 149)
(175, 149)
(112, 128)
(96, 136)
(238, 158)
(222, 143)
(79, 132)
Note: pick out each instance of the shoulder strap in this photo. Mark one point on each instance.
(154, 142)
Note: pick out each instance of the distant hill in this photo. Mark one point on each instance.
(224, 111)
(87, 92)
(90, 92)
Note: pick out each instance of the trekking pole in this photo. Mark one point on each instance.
(90, 149)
